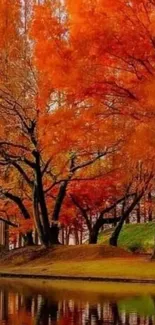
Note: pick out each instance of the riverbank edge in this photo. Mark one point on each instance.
(76, 278)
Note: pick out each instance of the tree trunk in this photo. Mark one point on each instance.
(115, 216)
(150, 207)
(42, 202)
(94, 231)
(36, 238)
(28, 239)
(81, 236)
(93, 236)
(76, 236)
(56, 213)
(127, 221)
(115, 235)
(63, 235)
(145, 214)
(138, 213)
(54, 238)
(20, 240)
(59, 201)
(6, 236)
(38, 224)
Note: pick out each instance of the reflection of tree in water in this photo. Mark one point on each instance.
(47, 313)
(19, 309)
(70, 313)
(3, 305)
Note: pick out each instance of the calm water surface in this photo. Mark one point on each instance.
(68, 303)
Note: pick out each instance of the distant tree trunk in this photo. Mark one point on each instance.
(81, 235)
(28, 239)
(4, 231)
(150, 207)
(76, 236)
(138, 213)
(20, 240)
(62, 235)
(36, 241)
(68, 233)
(115, 216)
(59, 201)
(145, 214)
(6, 236)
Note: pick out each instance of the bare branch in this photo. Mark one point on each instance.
(8, 222)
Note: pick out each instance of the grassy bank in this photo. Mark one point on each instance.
(133, 236)
(78, 261)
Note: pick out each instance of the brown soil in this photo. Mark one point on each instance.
(61, 253)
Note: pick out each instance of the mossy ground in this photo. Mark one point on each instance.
(141, 236)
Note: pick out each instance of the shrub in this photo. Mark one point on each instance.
(135, 247)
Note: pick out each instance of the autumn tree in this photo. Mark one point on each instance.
(93, 200)
(38, 153)
(73, 95)
(85, 110)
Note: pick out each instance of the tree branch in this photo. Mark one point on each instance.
(8, 222)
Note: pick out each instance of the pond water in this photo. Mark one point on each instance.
(68, 303)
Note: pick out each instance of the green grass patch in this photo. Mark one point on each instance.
(133, 236)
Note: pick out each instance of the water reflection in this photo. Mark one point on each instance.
(27, 307)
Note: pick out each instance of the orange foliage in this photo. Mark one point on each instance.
(76, 100)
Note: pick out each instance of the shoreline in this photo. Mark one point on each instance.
(94, 263)
(76, 278)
